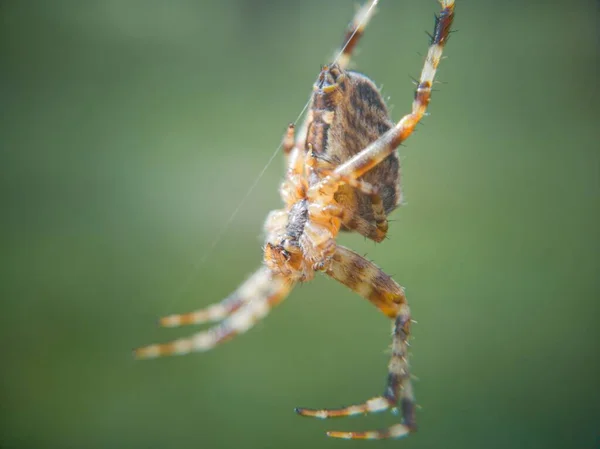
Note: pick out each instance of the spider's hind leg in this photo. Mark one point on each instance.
(368, 280)
(375, 230)
(354, 32)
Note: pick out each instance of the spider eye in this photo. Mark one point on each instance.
(285, 254)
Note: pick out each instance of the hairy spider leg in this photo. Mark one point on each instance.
(252, 287)
(363, 186)
(376, 152)
(294, 186)
(294, 155)
(260, 293)
(354, 32)
(369, 281)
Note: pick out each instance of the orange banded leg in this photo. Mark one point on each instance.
(354, 32)
(368, 280)
(252, 287)
(377, 151)
(288, 144)
(237, 323)
(294, 156)
(294, 186)
(365, 187)
(358, 184)
(288, 139)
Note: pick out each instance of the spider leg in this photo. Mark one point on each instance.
(354, 32)
(294, 187)
(381, 222)
(303, 129)
(288, 139)
(295, 160)
(376, 230)
(352, 221)
(369, 281)
(275, 221)
(252, 287)
(377, 151)
(294, 155)
(259, 299)
(340, 178)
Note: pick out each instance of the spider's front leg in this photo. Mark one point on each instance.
(294, 186)
(369, 281)
(252, 287)
(288, 142)
(380, 149)
(250, 303)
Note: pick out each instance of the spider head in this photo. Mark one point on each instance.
(331, 78)
(285, 258)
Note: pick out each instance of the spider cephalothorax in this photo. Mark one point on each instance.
(342, 174)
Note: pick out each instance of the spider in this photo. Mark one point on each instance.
(342, 174)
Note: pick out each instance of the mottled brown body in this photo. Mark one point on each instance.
(342, 174)
(347, 114)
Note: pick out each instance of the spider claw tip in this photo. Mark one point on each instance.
(337, 434)
(147, 352)
(169, 321)
(308, 412)
(137, 353)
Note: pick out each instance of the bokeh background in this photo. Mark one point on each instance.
(132, 130)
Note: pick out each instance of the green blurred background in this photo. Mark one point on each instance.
(131, 130)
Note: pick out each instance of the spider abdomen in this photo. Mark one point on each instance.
(347, 114)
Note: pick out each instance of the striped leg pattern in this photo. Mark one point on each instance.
(354, 32)
(250, 303)
(369, 281)
(375, 153)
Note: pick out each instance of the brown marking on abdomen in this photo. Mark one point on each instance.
(318, 129)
